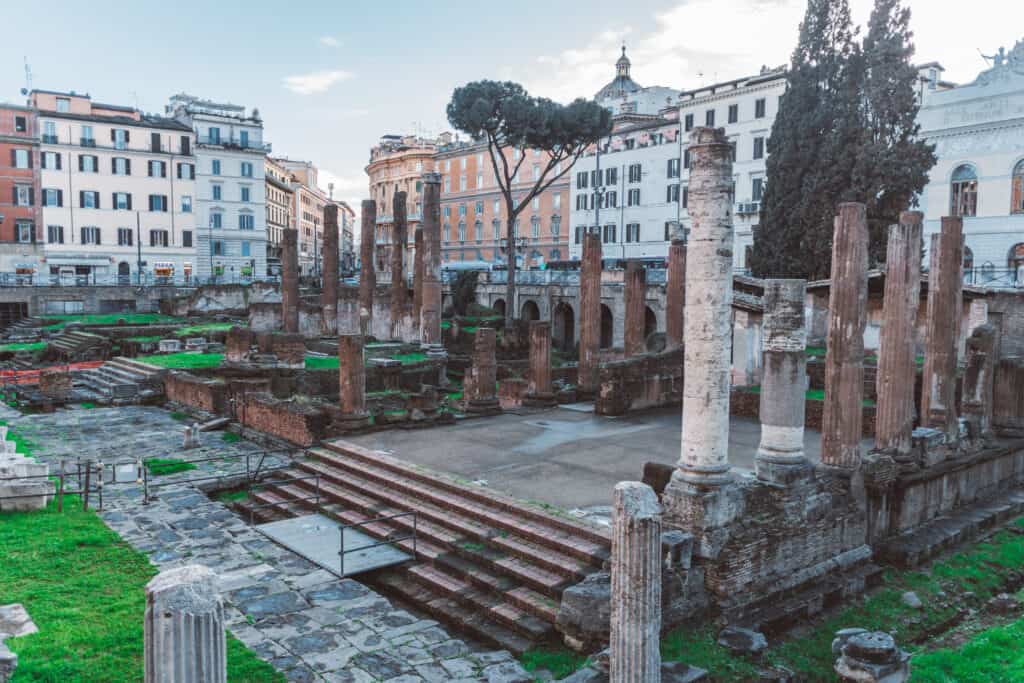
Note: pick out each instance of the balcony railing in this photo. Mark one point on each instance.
(87, 142)
(49, 139)
(233, 142)
(996, 278)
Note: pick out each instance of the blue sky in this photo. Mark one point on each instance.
(329, 78)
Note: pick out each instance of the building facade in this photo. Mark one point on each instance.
(623, 95)
(978, 132)
(117, 191)
(21, 239)
(230, 187)
(346, 236)
(308, 213)
(280, 195)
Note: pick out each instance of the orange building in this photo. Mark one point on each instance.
(20, 198)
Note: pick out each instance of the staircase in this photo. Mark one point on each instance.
(487, 564)
(78, 345)
(26, 328)
(122, 379)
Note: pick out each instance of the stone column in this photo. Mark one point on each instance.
(945, 303)
(844, 359)
(976, 401)
(635, 293)
(780, 457)
(704, 458)
(367, 274)
(184, 628)
(897, 369)
(483, 397)
(636, 585)
(399, 290)
(352, 381)
(329, 294)
(590, 314)
(539, 392)
(675, 294)
(430, 317)
(417, 278)
(290, 280)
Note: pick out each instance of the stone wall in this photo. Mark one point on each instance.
(303, 423)
(55, 383)
(224, 299)
(744, 403)
(645, 381)
(266, 317)
(1008, 400)
(201, 393)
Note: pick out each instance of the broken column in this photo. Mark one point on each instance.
(976, 401)
(539, 392)
(675, 294)
(942, 334)
(636, 584)
(290, 280)
(352, 382)
(590, 314)
(184, 628)
(329, 293)
(780, 456)
(844, 358)
(866, 657)
(430, 317)
(894, 415)
(367, 275)
(635, 292)
(399, 236)
(482, 383)
(417, 278)
(708, 327)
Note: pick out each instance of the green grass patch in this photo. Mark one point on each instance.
(184, 360)
(23, 346)
(993, 655)
(109, 319)
(322, 362)
(699, 647)
(202, 328)
(560, 661)
(87, 405)
(410, 358)
(144, 340)
(232, 496)
(446, 324)
(230, 437)
(180, 417)
(159, 467)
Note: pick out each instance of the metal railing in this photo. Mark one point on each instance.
(997, 278)
(87, 484)
(233, 142)
(388, 541)
(133, 280)
(251, 474)
(315, 496)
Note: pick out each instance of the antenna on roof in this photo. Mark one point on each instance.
(28, 78)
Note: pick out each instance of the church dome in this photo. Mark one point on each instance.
(622, 85)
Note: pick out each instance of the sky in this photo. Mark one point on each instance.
(330, 78)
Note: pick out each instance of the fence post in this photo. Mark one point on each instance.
(60, 488)
(341, 550)
(145, 485)
(317, 480)
(88, 484)
(99, 473)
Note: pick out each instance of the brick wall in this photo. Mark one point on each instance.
(197, 392)
(744, 403)
(649, 380)
(55, 383)
(300, 423)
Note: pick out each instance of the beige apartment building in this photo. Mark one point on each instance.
(307, 213)
(280, 194)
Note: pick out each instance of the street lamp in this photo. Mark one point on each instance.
(211, 247)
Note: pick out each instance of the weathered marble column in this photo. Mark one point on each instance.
(704, 458)
(894, 416)
(399, 289)
(844, 359)
(675, 294)
(483, 379)
(430, 317)
(185, 640)
(329, 293)
(539, 392)
(290, 280)
(590, 314)
(976, 400)
(352, 381)
(942, 332)
(367, 274)
(780, 456)
(417, 278)
(635, 293)
(636, 585)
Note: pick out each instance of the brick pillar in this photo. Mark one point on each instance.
(352, 381)
(483, 374)
(290, 280)
(184, 637)
(367, 274)
(708, 331)
(636, 585)
(329, 294)
(976, 400)
(590, 313)
(635, 293)
(399, 290)
(945, 303)
(417, 278)
(894, 416)
(539, 392)
(844, 359)
(430, 317)
(675, 294)
(780, 456)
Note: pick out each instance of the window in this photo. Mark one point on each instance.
(578, 236)
(635, 173)
(447, 184)
(125, 237)
(756, 189)
(87, 139)
(462, 227)
(630, 143)
(556, 201)
(595, 178)
(158, 238)
(20, 124)
(246, 248)
(759, 148)
(55, 234)
(120, 166)
(122, 201)
(669, 230)
(49, 132)
(462, 183)
(63, 105)
(215, 167)
(24, 232)
(535, 227)
(89, 200)
(709, 118)
(515, 228)
(673, 168)
(23, 195)
(462, 210)
(581, 179)
(611, 199)
(53, 198)
(632, 232)
(218, 248)
(157, 169)
(213, 134)
(556, 226)
(964, 191)
(419, 166)
(186, 171)
(686, 158)
(87, 163)
(479, 208)
(672, 193)
(119, 136)
(247, 169)
(185, 146)
(633, 198)
(243, 140)
(611, 176)
(759, 108)
(447, 232)
(496, 227)
(732, 150)
(734, 113)
(216, 220)
(581, 202)
(186, 238)
(246, 221)
(1017, 189)
(90, 235)
(216, 190)
(479, 180)
(154, 142)
(186, 204)
(536, 171)
(609, 234)
(688, 122)
(51, 160)
(536, 203)
(245, 193)
(158, 202)
(21, 158)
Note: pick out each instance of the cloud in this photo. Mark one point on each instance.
(330, 41)
(315, 82)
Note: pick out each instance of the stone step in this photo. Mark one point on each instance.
(153, 373)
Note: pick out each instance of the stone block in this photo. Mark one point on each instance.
(169, 345)
(23, 495)
(872, 658)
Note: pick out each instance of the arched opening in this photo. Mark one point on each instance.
(124, 273)
(964, 191)
(1015, 262)
(499, 307)
(563, 327)
(969, 274)
(650, 322)
(607, 327)
(1017, 188)
(529, 311)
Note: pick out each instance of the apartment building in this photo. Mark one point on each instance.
(280, 194)
(308, 213)
(117, 191)
(346, 235)
(21, 241)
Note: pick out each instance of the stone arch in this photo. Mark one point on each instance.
(1017, 188)
(607, 327)
(499, 307)
(563, 327)
(650, 322)
(124, 273)
(529, 311)
(963, 190)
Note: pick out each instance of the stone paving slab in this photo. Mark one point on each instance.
(303, 620)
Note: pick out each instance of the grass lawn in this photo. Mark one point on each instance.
(993, 655)
(201, 329)
(331, 362)
(159, 467)
(184, 360)
(144, 340)
(109, 319)
(23, 346)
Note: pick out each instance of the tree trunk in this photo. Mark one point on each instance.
(510, 293)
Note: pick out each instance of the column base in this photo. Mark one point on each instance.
(540, 400)
(706, 511)
(486, 406)
(784, 471)
(350, 422)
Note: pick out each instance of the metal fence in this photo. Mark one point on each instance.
(996, 278)
(390, 540)
(113, 280)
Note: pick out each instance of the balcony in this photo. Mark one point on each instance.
(748, 208)
(87, 142)
(235, 143)
(49, 139)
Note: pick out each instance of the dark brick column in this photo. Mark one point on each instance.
(352, 382)
(482, 386)
(417, 279)
(367, 274)
(635, 292)
(945, 303)
(430, 319)
(539, 392)
(399, 290)
(590, 313)
(290, 280)
(894, 416)
(675, 294)
(844, 359)
(329, 294)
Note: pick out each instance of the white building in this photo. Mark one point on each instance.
(978, 131)
(230, 186)
(117, 191)
(623, 95)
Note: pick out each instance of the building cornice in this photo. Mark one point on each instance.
(972, 128)
(742, 90)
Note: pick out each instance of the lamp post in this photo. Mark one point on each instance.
(211, 247)
(138, 245)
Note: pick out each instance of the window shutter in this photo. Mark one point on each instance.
(81, 198)
(163, 169)
(113, 200)
(128, 166)
(191, 172)
(14, 196)
(129, 202)
(14, 158)
(96, 199)
(81, 163)
(113, 135)
(179, 171)
(113, 164)
(30, 158)
(42, 160)
(126, 138)
(58, 161)
(31, 196)
(60, 197)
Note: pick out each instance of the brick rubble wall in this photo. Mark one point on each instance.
(748, 404)
(645, 381)
(196, 392)
(302, 424)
